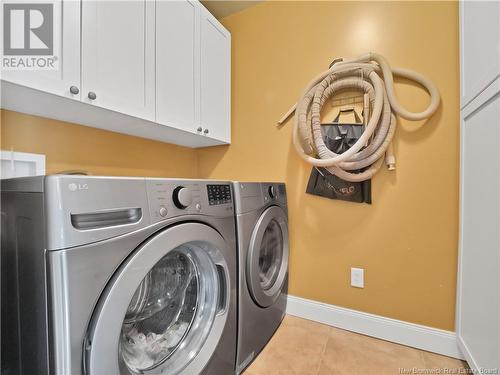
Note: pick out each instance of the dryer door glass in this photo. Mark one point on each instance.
(267, 262)
(270, 255)
(165, 307)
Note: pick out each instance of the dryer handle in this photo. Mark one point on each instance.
(222, 303)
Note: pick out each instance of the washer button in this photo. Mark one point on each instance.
(163, 211)
(198, 207)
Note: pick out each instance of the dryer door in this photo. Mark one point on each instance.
(165, 308)
(267, 263)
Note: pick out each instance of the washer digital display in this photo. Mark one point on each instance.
(219, 194)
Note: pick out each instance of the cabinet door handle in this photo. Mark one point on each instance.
(74, 90)
(199, 129)
(92, 95)
(205, 131)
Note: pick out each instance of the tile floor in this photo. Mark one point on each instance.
(303, 347)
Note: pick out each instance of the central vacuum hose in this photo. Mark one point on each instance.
(362, 73)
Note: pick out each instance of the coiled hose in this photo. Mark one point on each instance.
(362, 73)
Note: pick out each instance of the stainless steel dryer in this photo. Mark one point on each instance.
(262, 230)
(108, 276)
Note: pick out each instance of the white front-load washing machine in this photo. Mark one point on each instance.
(109, 276)
(262, 231)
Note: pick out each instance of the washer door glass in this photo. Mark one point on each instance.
(270, 255)
(165, 310)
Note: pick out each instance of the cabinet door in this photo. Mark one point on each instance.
(478, 297)
(66, 51)
(118, 67)
(478, 318)
(480, 46)
(215, 78)
(177, 64)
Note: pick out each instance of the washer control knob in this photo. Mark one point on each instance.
(198, 207)
(182, 197)
(163, 211)
(272, 192)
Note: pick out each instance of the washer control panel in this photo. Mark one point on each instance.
(219, 194)
(182, 197)
(170, 198)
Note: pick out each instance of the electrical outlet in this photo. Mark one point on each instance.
(357, 277)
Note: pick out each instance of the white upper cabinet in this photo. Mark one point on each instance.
(118, 67)
(177, 64)
(66, 75)
(157, 69)
(215, 78)
(479, 27)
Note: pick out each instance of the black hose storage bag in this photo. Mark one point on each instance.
(339, 138)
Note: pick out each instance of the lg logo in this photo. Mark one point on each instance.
(74, 187)
(28, 29)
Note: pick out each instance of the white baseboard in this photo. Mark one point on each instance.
(410, 334)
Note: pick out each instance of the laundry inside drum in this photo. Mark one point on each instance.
(160, 312)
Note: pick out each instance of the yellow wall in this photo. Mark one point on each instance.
(70, 147)
(406, 240)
